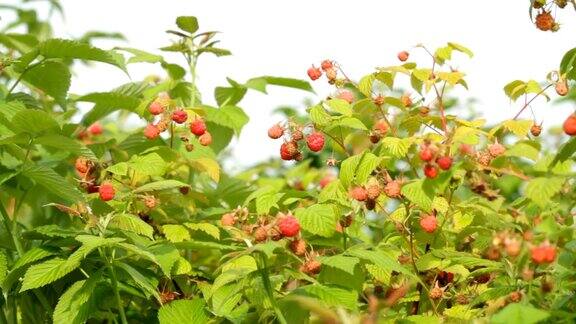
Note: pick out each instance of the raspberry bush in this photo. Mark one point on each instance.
(392, 207)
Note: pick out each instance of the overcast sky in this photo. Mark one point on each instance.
(282, 38)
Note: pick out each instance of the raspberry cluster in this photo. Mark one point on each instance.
(430, 155)
(290, 149)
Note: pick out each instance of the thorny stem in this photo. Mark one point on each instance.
(530, 101)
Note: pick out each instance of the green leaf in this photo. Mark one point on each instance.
(268, 201)
(143, 282)
(176, 233)
(66, 144)
(52, 182)
(161, 185)
(69, 49)
(208, 165)
(365, 85)
(184, 311)
(142, 56)
(419, 193)
(396, 147)
(380, 258)
(33, 121)
(541, 190)
(167, 255)
(74, 304)
(229, 116)
(47, 272)
(516, 313)
(340, 106)
(319, 116)
(319, 219)
(344, 263)
(127, 222)
(357, 168)
(187, 23)
(51, 77)
(331, 296)
(207, 228)
(568, 64)
(461, 48)
(565, 152)
(287, 82)
(3, 266)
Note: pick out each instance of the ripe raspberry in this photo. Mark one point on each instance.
(445, 278)
(358, 193)
(288, 226)
(426, 154)
(562, 88)
(466, 149)
(444, 162)
(403, 56)
(82, 165)
(150, 202)
(179, 116)
(430, 171)
(544, 21)
(381, 126)
(261, 234)
(373, 189)
(298, 247)
(151, 131)
(276, 131)
(406, 100)
(515, 296)
(156, 108)
(569, 125)
(536, 130)
(314, 73)
(393, 189)
(205, 139)
(311, 267)
(543, 253)
(429, 223)
(228, 219)
(106, 192)
(326, 180)
(288, 150)
(346, 95)
(95, 129)
(315, 141)
(198, 127)
(326, 64)
(496, 149)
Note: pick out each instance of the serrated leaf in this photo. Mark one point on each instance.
(51, 77)
(420, 194)
(187, 23)
(210, 166)
(176, 233)
(184, 311)
(339, 106)
(52, 182)
(319, 219)
(396, 147)
(516, 313)
(33, 121)
(344, 263)
(331, 296)
(461, 48)
(229, 116)
(541, 190)
(127, 222)
(66, 144)
(161, 185)
(319, 116)
(207, 228)
(264, 203)
(365, 85)
(147, 286)
(73, 305)
(69, 49)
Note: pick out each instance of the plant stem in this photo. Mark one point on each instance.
(530, 101)
(30, 67)
(263, 269)
(9, 229)
(344, 237)
(117, 294)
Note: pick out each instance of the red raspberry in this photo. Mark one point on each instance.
(544, 253)
(326, 64)
(393, 189)
(95, 129)
(496, 149)
(151, 131)
(466, 149)
(358, 193)
(536, 130)
(179, 116)
(275, 131)
(156, 108)
(205, 139)
(82, 165)
(198, 127)
(315, 141)
(381, 126)
(544, 21)
(444, 162)
(430, 171)
(314, 73)
(106, 192)
(326, 180)
(288, 226)
(346, 95)
(426, 154)
(288, 150)
(429, 223)
(228, 219)
(403, 56)
(569, 125)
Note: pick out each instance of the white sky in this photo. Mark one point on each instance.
(283, 38)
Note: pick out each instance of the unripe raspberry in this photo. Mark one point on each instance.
(544, 21)
(543, 253)
(403, 56)
(444, 162)
(569, 125)
(496, 149)
(346, 220)
(462, 299)
(373, 189)
(374, 138)
(562, 88)
(381, 126)
(536, 130)
(424, 111)
(297, 135)
(82, 165)
(288, 226)
(358, 193)
(151, 131)
(205, 139)
(198, 127)
(430, 171)
(331, 75)
(298, 247)
(189, 147)
(466, 149)
(184, 190)
(326, 64)
(429, 223)
(179, 116)
(106, 192)
(436, 292)
(228, 219)
(515, 296)
(311, 267)
(314, 73)
(326, 180)
(370, 204)
(156, 108)
(331, 162)
(261, 234)
(379, 100)
(276, 131)
(162, 125)
(393, 189)
(484, 158)
(288, 150)
(346, 95)
(315, 141)
(95, 129)
(406, 100)
(527, 274)
(426, 154)
(150, 202)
